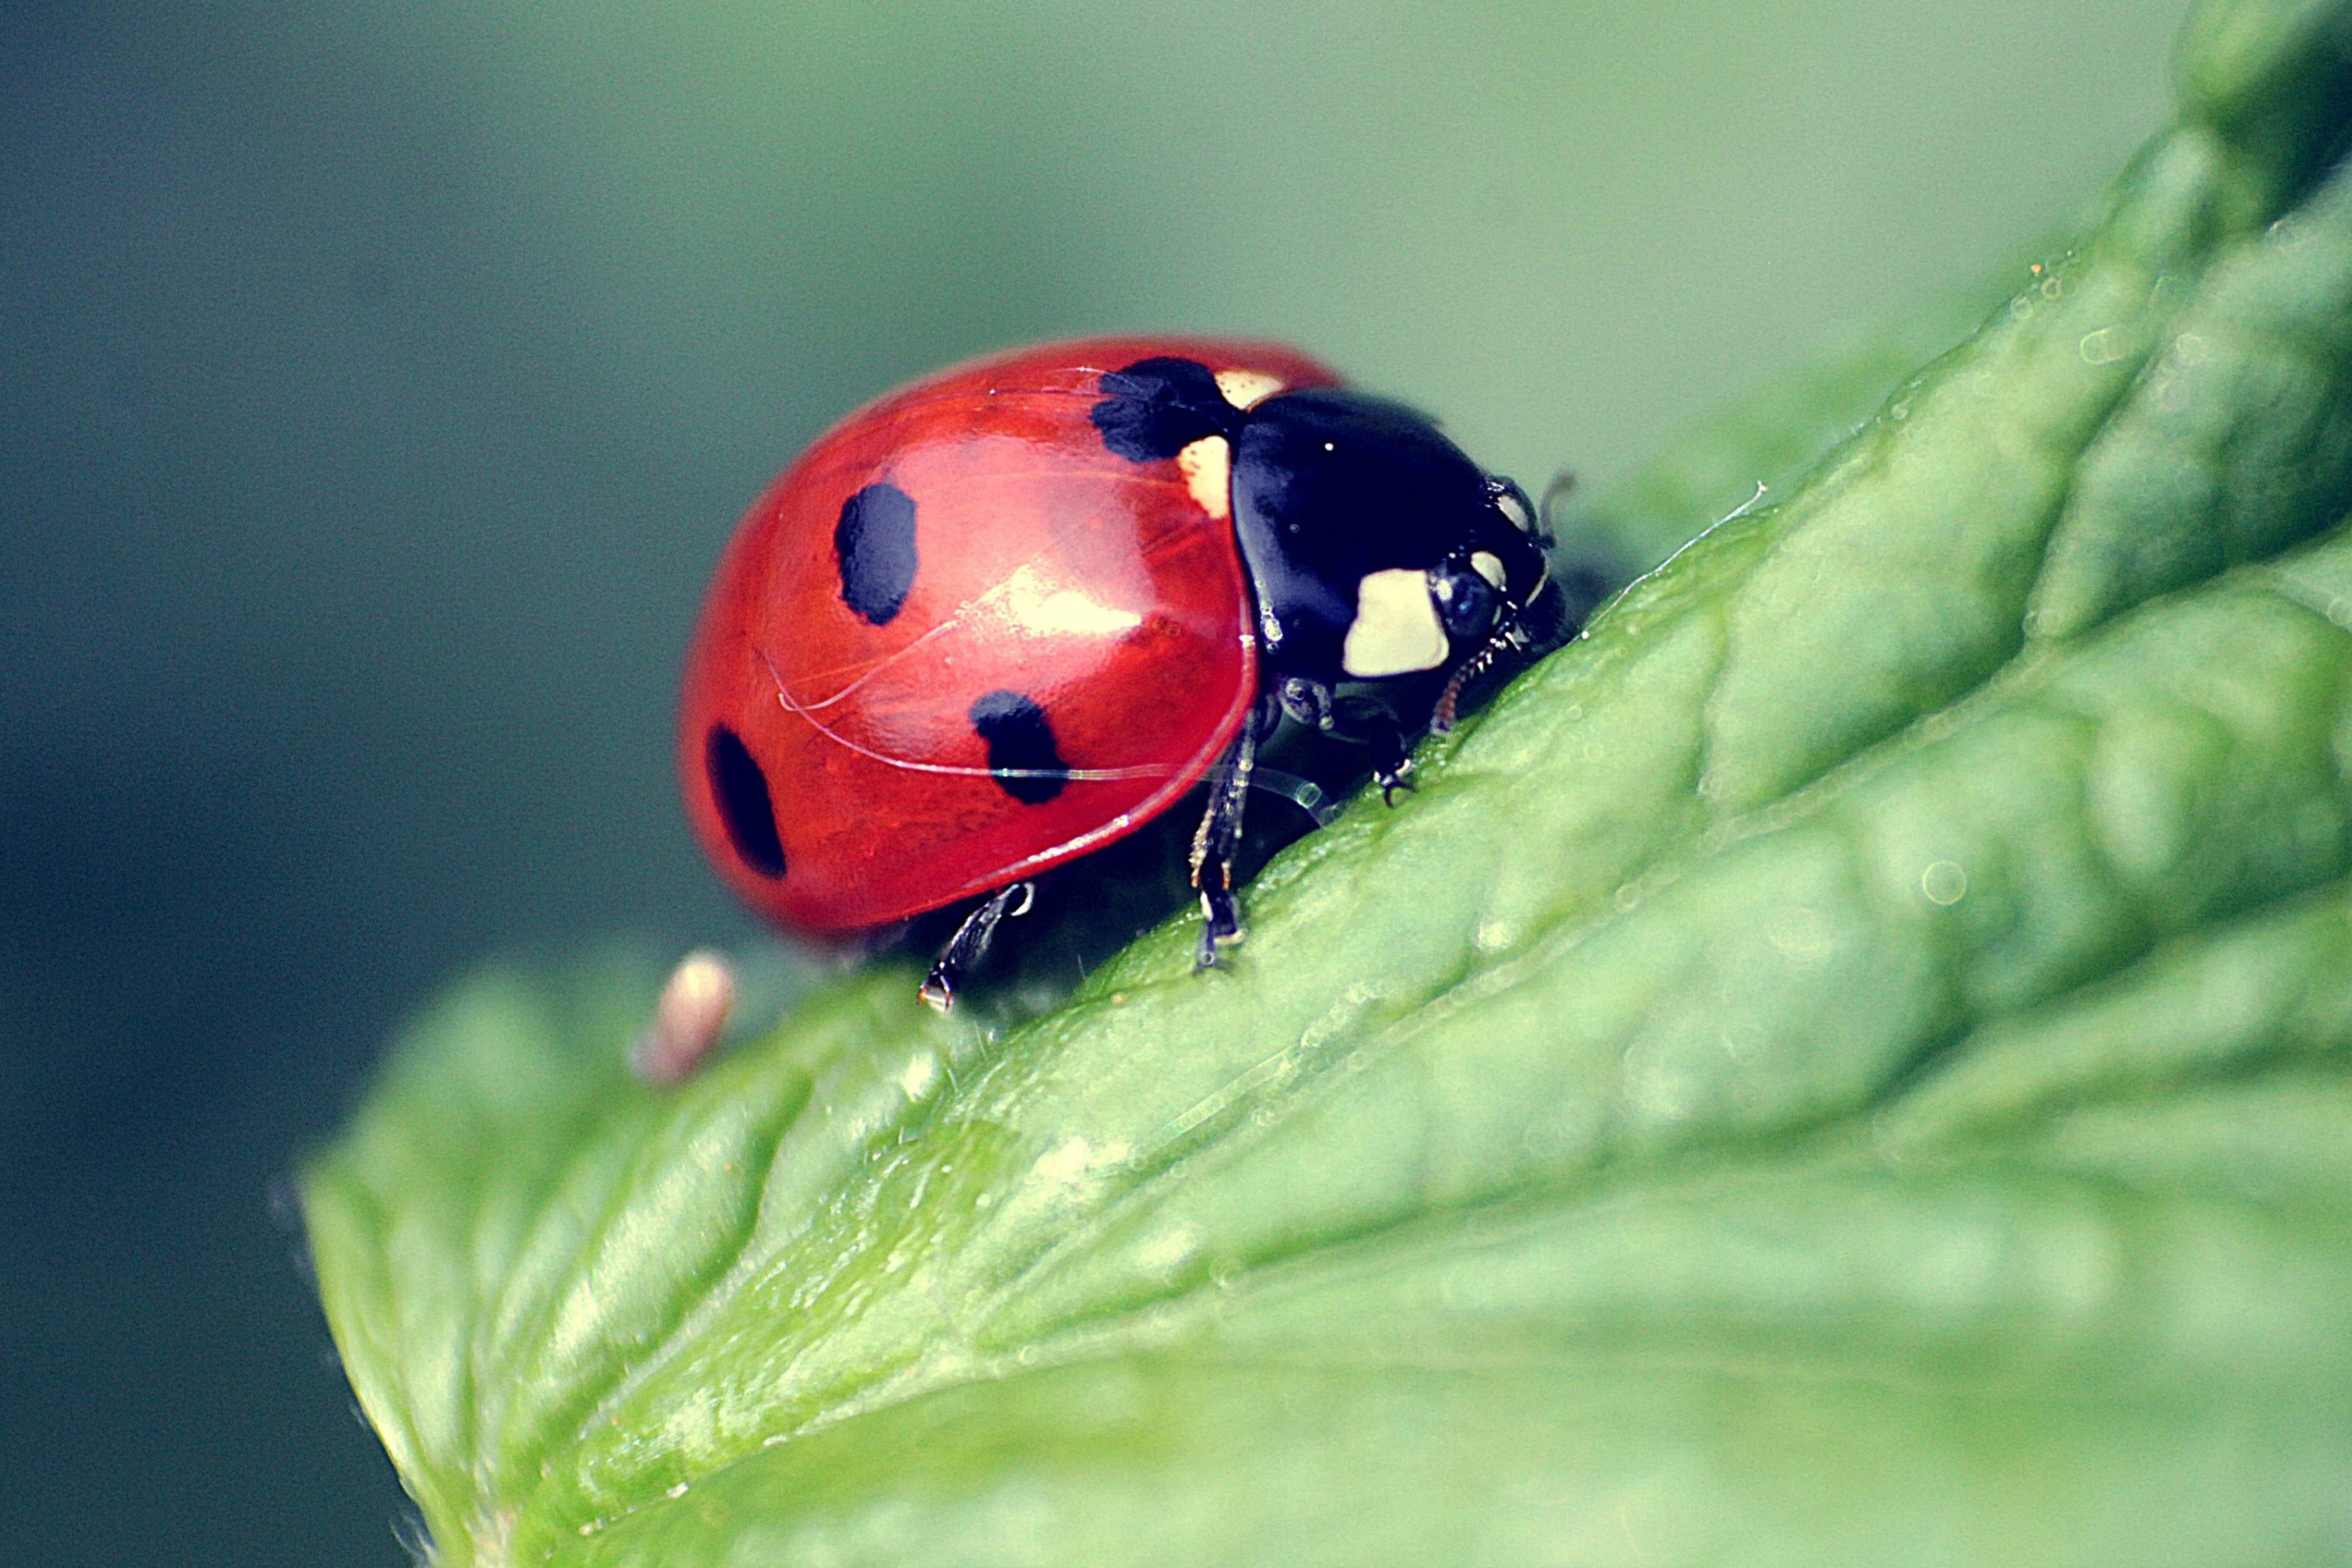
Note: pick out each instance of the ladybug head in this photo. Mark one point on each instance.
(1488, 580)
(1483, 596)
(1378, 550)
(1522, 551)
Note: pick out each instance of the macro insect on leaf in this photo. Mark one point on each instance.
(1013, 611)
(1848, 1062)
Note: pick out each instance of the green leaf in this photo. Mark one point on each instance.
(1849, 1062)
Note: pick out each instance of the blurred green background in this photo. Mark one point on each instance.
(378, 381)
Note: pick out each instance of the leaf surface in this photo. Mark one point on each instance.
(1847, 1062)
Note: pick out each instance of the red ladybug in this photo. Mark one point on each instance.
(1016, 610)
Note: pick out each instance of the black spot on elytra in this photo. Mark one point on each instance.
(1157, 407)
(875, 544)
(1021, 750)
(744, 805)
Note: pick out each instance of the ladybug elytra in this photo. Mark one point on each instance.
(1014, 611)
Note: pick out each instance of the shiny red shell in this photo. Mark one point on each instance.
(1109, 593)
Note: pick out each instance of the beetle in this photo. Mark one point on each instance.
(1016, 610)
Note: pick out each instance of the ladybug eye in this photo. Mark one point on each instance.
(1467, 601)
(741, 790)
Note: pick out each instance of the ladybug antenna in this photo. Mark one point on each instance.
(1554, 493)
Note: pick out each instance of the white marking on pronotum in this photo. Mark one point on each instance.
(1207, 466)
(1396, 630)
(1510, 508)
(1247, 388)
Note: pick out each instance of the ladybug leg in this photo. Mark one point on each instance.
(1266, 718)
(1308, 702)
(1214, 846)
(971, 942)
(1391, 763)
(1367, 722)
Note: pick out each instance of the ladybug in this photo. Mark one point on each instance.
(1014, 611)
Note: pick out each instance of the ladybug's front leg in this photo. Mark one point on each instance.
(1356, 720)
(1392, 762)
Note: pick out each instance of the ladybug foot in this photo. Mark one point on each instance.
(971, 941)
(1392, 760)
(1221, 925)
(1214, 847)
